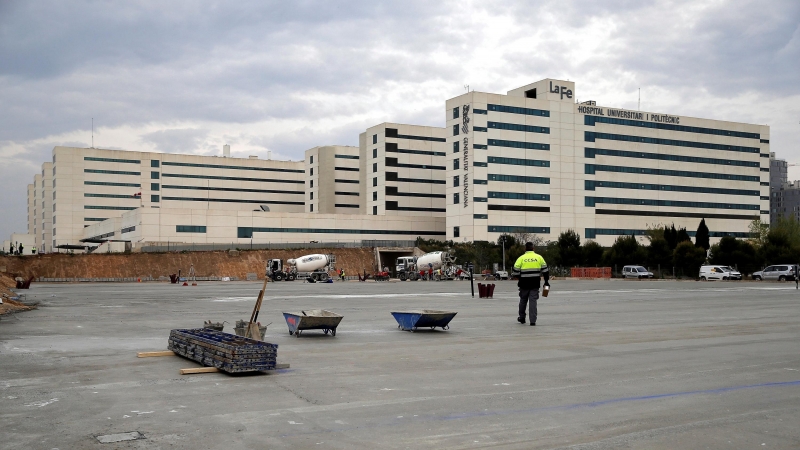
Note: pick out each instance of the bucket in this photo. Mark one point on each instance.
(546, 291)
(241, 329)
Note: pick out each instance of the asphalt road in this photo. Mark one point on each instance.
(610, 364)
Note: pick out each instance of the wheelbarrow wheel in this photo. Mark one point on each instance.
(333, 331)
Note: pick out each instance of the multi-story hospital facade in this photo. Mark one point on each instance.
(531, 161)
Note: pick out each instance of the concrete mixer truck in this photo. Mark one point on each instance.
(314, 266)
(440, 263)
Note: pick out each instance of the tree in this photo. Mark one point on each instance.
(655, 232)
(688, 259)
(758, 232)
(682, 236)
(659, 254)
(701, 237)
(592, 254)
(626, 250)
(671, 236)
(569, 249)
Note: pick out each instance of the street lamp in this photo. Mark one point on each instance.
(504, 252)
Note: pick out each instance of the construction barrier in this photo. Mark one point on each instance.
(591, 272)
(486, 290)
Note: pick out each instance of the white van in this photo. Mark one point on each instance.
(719, 273)
(636, 272)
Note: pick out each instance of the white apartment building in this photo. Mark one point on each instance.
(403, 168)
(535, 161)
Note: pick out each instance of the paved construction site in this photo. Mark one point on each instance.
(610, 364)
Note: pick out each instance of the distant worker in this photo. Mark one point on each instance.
(33, 250)
(530, 268)
(344, 275)
(21, 248)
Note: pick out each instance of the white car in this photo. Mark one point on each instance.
(719, 273)
(636, 272)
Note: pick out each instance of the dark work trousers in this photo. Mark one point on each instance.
(526, 295)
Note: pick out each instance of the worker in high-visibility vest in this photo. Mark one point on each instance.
(531, 268)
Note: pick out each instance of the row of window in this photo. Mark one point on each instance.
(591, 201)
(127, 229)
(232, 200)
(704, 215)
(518, 144)
(392, 205)
(517, 127)
(111, 208)
(112, 160)
(345, 205)
(591, 120)
(592, 168)
(347, 169)
(210, 177)
(519, 196)
(355, 194)
(112, 172)
(592, 233)
(392, 191)
(518, 161)
(392, 133)
(480, 216)
(591, 152)
(110, 196)
(222, 166)
(392, 162)
(518, 179)
(342, 157)
(590, 185)
(104, 183)
(518, 110)
(190, 228)
(93, 219)
(518, 229)
(479, 111)
(411, 152)
(591, 136)
(208, 188)
(247, 232)
(480, 129)
(340, 180)
(392, 176)
(521, 208)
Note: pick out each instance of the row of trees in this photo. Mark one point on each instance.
(666, 248)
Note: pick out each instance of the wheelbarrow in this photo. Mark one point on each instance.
(314, 319)
(411, 320)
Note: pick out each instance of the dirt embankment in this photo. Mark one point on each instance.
(206, 264)
(8, 305)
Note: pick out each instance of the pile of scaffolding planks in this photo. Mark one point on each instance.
(226, 352)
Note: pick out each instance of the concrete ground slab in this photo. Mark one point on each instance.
(610, 364)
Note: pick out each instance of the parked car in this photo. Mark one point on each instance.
(636, 272)
(501, 275)
(719, 273)
(780, 272)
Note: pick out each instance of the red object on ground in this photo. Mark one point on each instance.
(590, 272)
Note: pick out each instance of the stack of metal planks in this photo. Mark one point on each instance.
(226, 352)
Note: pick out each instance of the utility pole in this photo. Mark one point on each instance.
(504, 252)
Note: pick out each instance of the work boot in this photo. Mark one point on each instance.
(521, 319)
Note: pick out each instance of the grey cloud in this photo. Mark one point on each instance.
(177, 140)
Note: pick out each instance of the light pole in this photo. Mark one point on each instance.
(504, 252)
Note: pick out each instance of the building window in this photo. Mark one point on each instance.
(154, 198)
(455, 164)
(456, 198)
(375, 196)
(374, 181)
(455, 130)
(455, 147)
(374, 138)
(374, 167)
(311, 159)
(374, 152)
(154, 187)
(374, 210)
(154, 175)
(456, 232)
(455, 112)
(455, 181)
(312, 171)
(312, 195)
(312, 207)
(312, 183)
(190, 229)
(154, 163)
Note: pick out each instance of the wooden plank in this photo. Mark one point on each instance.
(282, 365)
(151, 354)
(199, 370)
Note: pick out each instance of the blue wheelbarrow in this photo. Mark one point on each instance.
(313, 319)
(423, 318)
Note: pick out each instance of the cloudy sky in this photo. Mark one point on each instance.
(188, 77)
